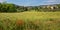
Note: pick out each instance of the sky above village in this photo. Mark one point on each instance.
(32, 2)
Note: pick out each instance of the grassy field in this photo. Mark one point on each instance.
(35, 20)
(30, 15)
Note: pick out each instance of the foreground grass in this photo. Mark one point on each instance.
(30, 21)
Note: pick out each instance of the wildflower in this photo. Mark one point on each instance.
(19, 22)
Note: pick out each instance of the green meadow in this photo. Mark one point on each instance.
(30, 15)
(33, 20)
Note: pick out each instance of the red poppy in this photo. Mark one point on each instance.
(0, 28)
(19, 22)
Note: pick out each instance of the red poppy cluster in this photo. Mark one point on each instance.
(19, 22)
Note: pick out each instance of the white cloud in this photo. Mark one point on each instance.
(1, 0)
(51, 1)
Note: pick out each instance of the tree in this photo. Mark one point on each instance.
(7, 8)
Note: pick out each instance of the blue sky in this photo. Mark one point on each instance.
(32, 2)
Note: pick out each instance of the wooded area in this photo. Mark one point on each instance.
(8, 7)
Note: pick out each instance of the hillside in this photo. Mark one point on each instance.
(7, 7)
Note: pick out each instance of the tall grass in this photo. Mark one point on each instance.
(30, 25)
(30, 21)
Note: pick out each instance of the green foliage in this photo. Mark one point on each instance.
(7, 8)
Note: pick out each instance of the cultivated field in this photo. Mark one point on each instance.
(30, 21)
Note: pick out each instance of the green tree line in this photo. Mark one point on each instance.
(8, 7)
